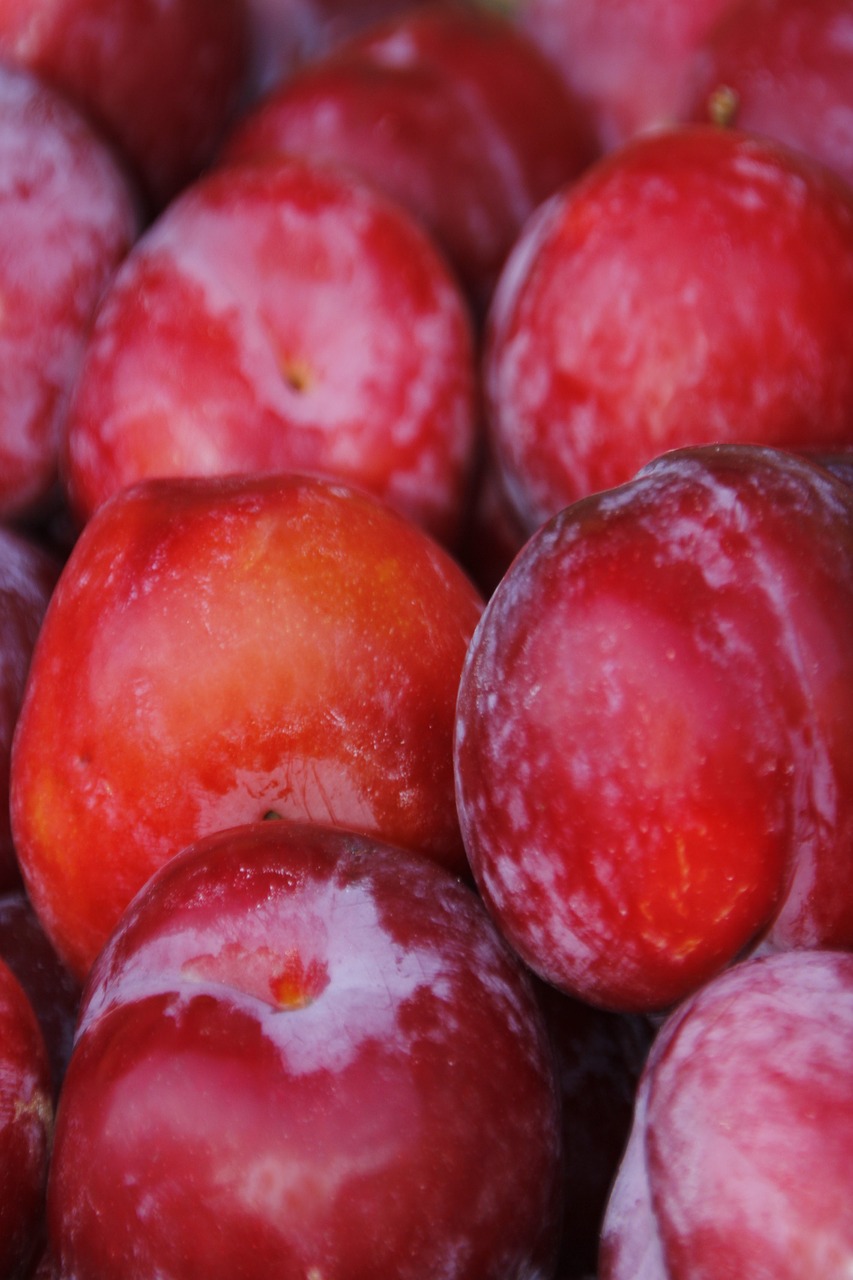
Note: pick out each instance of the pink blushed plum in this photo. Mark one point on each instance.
(69, 215)
(695, 286)
(739, 1158)
(218, 649)
(304, 1053)
(653, 760)
(281, 316)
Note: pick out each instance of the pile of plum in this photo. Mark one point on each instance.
(426, 640)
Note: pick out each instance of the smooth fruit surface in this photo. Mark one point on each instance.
(287, 34)
(626, 60)
(694, 287)
(784, 69)
(221, 649)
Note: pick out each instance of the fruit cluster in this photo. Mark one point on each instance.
(426, 640)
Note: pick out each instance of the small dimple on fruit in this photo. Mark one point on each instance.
(285, 982)
(298, 984)
(298, 374)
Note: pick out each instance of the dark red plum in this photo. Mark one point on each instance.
(654, 768)
(28, 575)
(449, 109)
(693, 287)
(160, 81)
(304, 1053)
(26, 1122)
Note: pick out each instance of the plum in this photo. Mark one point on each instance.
(739, 1158)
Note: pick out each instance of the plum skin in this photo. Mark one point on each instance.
(294, 1058)
(693, 286)
(739, 1155)
(219, 648)
(653, 771)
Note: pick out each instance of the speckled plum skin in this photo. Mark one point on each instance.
(69, 216)
(653, 760)
(739, 1158)
(221, 648)
(452, 111)
(26, 1120)
(784, 69)
(693, 287)
(159, 78)
(304, 1053)
(281, 316)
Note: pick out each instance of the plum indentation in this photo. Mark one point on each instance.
(284, 980)
(298, 374)
(298, 983)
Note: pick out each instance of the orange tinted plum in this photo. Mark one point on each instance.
(220, 649)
